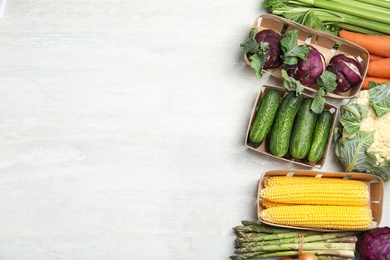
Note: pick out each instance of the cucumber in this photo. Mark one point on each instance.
(302, 133)
(265, 116)
(320, 136)
(281, 130)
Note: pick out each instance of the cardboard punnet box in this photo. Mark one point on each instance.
(263, 147)
(326, 43)
(374, 184)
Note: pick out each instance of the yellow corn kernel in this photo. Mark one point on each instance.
(269, 204)
(347, 194)
(284, 180)
(319, 217)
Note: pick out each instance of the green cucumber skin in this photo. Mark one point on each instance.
(302, 134)
(265, 116)
(282, 128)
(320, 136)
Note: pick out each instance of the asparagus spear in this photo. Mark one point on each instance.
(329, 252)
(255, 237)
(348, 239)
(250, 226)
(326, 237)
(306, 246)
(324, 257)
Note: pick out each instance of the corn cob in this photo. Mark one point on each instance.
(323, 217)
(284, 180)
(346, 194)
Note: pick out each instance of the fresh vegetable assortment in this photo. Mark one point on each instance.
(362, 143)
(297, 127)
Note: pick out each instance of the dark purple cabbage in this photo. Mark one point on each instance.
(349, 71)
(307, 71)
(273, 51)
(374, 244)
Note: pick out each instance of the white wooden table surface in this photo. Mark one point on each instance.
(122, 128)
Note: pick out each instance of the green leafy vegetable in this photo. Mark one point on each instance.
(382, 170)
(327, 81)
(380, 98)
(291, 50)
(251, 45)
(257, 51)
(257, 63)
(352, 116)
(328, 84)
(292, 84)
(319, 101)
(352, 152)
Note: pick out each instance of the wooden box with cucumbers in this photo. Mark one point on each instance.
(282, 125)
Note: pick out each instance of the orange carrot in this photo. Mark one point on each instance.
(374, 44)
(375, 79)
(379, 68)
(373, 57)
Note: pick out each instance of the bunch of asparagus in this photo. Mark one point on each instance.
(256, 240)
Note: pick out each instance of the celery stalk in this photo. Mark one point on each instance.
(358, 15)
(382, 3)
(358, 9)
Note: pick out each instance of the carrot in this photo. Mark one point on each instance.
(379, 68)
(375, 79)
(373, 57)
(374, 44)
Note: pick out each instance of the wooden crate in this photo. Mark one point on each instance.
(374, 184)
(322, 41)
(263, 147)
